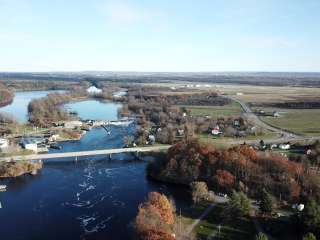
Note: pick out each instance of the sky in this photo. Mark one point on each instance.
(160, 35)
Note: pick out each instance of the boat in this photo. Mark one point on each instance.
(55, 146)
(3, 187)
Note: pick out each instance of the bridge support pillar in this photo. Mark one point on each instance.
(110, 157)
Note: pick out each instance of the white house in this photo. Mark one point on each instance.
(216, 131)
(284, 146)
(276, 114)
(29, 144)
(4, 143)
(94, 90)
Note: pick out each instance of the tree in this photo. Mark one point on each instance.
(155, 218)
(266, 203)
(311, 216)
(261, 236)
(199, 191)
(309, 236)
(224, 179)
(239, 204)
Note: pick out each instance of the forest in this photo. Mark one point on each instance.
(240, 168)
(46, 111)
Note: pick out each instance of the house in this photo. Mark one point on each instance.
(216, 131)
(29, 144)
(236, 123)
(275, 114)
(152, 139)
(72, 124)
(180, 132)
(284, 146)
(94, 90)
(53, 137)
(4, 143)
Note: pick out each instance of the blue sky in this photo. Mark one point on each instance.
(160, 35)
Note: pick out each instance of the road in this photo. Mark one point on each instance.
(284, 135)
(86, 153)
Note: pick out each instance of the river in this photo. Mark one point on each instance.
(92, 198)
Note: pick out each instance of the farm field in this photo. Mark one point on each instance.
(232, 109)
(268, 94)
(301, 121)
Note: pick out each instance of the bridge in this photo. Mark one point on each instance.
(107, 152)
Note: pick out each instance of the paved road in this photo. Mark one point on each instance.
(284, 135)
(86, 153)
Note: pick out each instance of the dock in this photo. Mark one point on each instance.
(106, 152)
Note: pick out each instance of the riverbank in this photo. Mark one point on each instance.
(19, 168)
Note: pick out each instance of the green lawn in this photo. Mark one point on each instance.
(302, 121)
(231, 229)
(232, 109)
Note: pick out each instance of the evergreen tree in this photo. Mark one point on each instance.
(309, 236)
(239, 204)
(311, 216)
(266, 203)
(261, 236)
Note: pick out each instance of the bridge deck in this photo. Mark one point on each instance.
(86, 153)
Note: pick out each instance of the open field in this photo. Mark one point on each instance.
(232, 109)
(302, 121)
(224, 142)
(258, 94)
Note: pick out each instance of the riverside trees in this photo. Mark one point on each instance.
(6, 96)
(247, 170)
(47, 110)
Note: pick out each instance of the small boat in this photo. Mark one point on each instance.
(0, 205)
(3, 187)
(55, 146)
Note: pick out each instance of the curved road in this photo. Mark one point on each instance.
(284, 135)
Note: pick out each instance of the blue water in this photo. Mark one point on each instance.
(93, 109)
(91, 198)
(19, 107)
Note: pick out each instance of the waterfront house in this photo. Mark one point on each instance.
(4, 143)
(29, 144)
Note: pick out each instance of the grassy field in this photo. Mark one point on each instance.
(224, 142)
(302, 121)
(232, 109)
(233, 229)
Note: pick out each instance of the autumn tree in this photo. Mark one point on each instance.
(224, 179)
(199, 191)
(155, 218)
